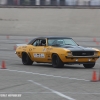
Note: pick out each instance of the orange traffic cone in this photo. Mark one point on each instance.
(97, 43)
(3, 66)
(94, 39)
(14, 47)
(94, 77)
(26, 40)
(99, 76)
(7, 36)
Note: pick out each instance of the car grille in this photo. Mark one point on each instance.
(82, 53)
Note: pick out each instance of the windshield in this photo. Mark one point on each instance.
(61, 42)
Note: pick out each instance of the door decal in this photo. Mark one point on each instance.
(39, 55)
(44, 49)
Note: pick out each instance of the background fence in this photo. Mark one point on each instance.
(49, 2)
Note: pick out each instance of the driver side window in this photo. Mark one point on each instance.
(39, 42)
(36, 43)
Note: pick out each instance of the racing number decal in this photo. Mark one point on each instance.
(39, 55)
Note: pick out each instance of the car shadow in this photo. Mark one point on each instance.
(39, 65)
(65, 66)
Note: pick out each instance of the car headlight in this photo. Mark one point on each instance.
(96, 53)
(69, 53)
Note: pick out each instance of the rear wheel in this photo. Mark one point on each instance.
(89, 65)
(26, 60)
(56, 61)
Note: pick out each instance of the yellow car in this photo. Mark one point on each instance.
(58, 51)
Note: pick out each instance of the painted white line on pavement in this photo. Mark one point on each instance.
(85, 93)
(45, 75)
(53, 91)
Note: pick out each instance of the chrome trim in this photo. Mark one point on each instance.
(82, 56)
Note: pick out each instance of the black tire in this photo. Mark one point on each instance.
(26, 60)
(56, 62)
(89, 65)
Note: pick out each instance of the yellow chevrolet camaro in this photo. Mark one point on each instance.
(58, 51)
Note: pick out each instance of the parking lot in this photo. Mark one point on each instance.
(42, 81)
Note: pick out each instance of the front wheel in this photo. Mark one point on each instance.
(56, 61)
(89, 65)
(26, 60)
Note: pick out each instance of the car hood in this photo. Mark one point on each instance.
(78, 48)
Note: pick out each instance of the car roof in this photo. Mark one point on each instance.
(50, 37)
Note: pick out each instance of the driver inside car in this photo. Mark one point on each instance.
(43, 43)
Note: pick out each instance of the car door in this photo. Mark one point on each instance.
(39, 52)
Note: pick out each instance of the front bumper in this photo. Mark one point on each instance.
(82, 56)
(79, 59)
(71, 63)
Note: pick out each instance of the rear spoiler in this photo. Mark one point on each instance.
(20, 45)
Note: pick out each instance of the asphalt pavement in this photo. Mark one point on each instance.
(40, 22)
(42, 81)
